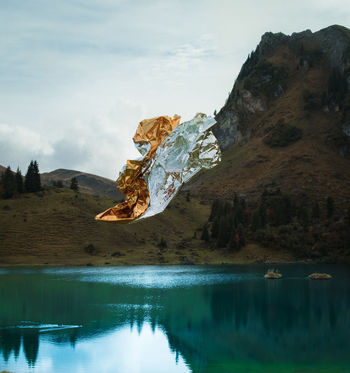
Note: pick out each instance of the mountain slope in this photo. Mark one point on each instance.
(88, 183)
(57, 227)
(300, 83)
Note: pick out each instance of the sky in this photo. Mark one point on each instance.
(77, 76)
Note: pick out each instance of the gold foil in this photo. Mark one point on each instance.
(149, 135)
(189, 148)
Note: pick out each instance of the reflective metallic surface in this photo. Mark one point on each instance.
(172, 153)
(189, 147)
(149, 135)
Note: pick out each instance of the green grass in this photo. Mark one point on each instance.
(55, 226)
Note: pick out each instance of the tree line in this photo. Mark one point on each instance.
(14, 183)
(227, 224)
(278, 220)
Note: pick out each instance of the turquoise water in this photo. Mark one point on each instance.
(174, 319)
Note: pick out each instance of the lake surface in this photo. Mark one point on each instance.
(174, 319)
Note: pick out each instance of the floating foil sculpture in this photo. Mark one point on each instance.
(172, 154)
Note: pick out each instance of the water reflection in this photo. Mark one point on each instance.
(193, 319)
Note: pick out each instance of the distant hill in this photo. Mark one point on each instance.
(88, 183)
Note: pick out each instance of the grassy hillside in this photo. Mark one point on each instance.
(316, 165)
(57, 227)
(88, 183)
(285, 132)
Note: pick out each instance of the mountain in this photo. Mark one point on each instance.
(88, 183)
(286, 122)
(280, 193)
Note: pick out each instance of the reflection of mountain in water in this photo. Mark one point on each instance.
(293, 320)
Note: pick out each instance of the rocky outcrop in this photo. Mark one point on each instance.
(334, 42)
(227, 130)
(346, 129)
(263, 77)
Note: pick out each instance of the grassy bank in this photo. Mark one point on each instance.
(57, 227)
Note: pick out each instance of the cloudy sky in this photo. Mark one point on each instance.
(76, 76)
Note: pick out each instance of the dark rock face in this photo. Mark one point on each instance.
(261, 81)
(334, 42)
(227, 130)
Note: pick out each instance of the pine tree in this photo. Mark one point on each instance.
(330, 207)
(29, 181)
(256, 221)
(233, 240)
(37, 181)
(214, 210)
(239, 217)
(262, 213)
(224, 232)
(316, 212)
(303, 216)
(19, 181)
(74, 184)
(240, 231)
(32, 179)
(215, 228)
(57, 183)
(243, 203)
(8, 181)
(288, 207)
(205, 233)
(235, 201)
(162, 243)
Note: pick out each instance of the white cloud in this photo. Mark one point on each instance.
(79, 75)
(100, 143)
(24, 138)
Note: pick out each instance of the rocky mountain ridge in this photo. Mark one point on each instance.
(288, 85)
(264, 75)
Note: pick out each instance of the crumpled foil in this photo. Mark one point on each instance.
(173, 153)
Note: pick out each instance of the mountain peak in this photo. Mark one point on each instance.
(286, 121)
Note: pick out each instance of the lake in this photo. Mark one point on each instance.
(174, 319)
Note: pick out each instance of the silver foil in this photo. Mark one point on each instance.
(190, 147)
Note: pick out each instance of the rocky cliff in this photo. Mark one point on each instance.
(286, 122)
(269, 70)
